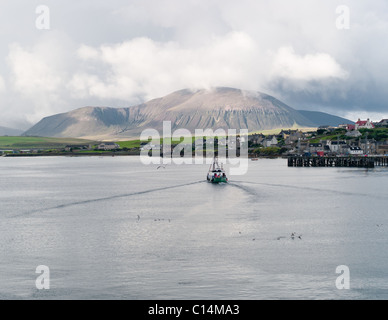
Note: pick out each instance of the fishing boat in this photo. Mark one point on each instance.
(216, 173)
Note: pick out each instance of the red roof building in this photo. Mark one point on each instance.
(364, 124)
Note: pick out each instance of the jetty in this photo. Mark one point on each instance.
(338, 161)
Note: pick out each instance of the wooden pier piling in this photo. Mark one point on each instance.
(346, 162)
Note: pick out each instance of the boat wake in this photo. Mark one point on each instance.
(346, 193)
(71, 204)
(248, 190)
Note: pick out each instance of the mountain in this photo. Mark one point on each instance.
(10, 132)
(199, 109)
(324, 119)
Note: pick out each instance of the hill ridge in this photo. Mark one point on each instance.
(219, 107)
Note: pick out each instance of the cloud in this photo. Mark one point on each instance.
(119, 53)
(146, 68)
(88, 53)
(288, 65)
(38, 75)
(34, 80)
(363, 115)
(31, 72)
(2, 84)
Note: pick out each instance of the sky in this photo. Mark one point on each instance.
(323, 55)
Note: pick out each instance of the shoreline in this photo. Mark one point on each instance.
(64, 154)
(105, 154)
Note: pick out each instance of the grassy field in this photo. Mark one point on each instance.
(20, 143)
(324, 137)
(136, 143)
(17, 143)
(277, 131)
(129, 144)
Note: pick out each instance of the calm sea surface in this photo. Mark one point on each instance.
(194, 240)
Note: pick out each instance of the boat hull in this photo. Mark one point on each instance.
(219, 180)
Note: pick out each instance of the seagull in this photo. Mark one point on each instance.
(300, 237)
(164, 167)
(379, 225)
(138, 217)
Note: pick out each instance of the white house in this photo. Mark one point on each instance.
(355, 151)
(364, 124)
(270, 141)
(108, 146)
(353, 134)
(337, 146)
(315, 147)
(153, 147)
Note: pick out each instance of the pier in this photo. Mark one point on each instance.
(349, 162)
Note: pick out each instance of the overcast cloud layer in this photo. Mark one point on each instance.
(120, 53)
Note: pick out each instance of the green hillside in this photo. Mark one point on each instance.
(17, 143)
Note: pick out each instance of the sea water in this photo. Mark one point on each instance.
(113, 228)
